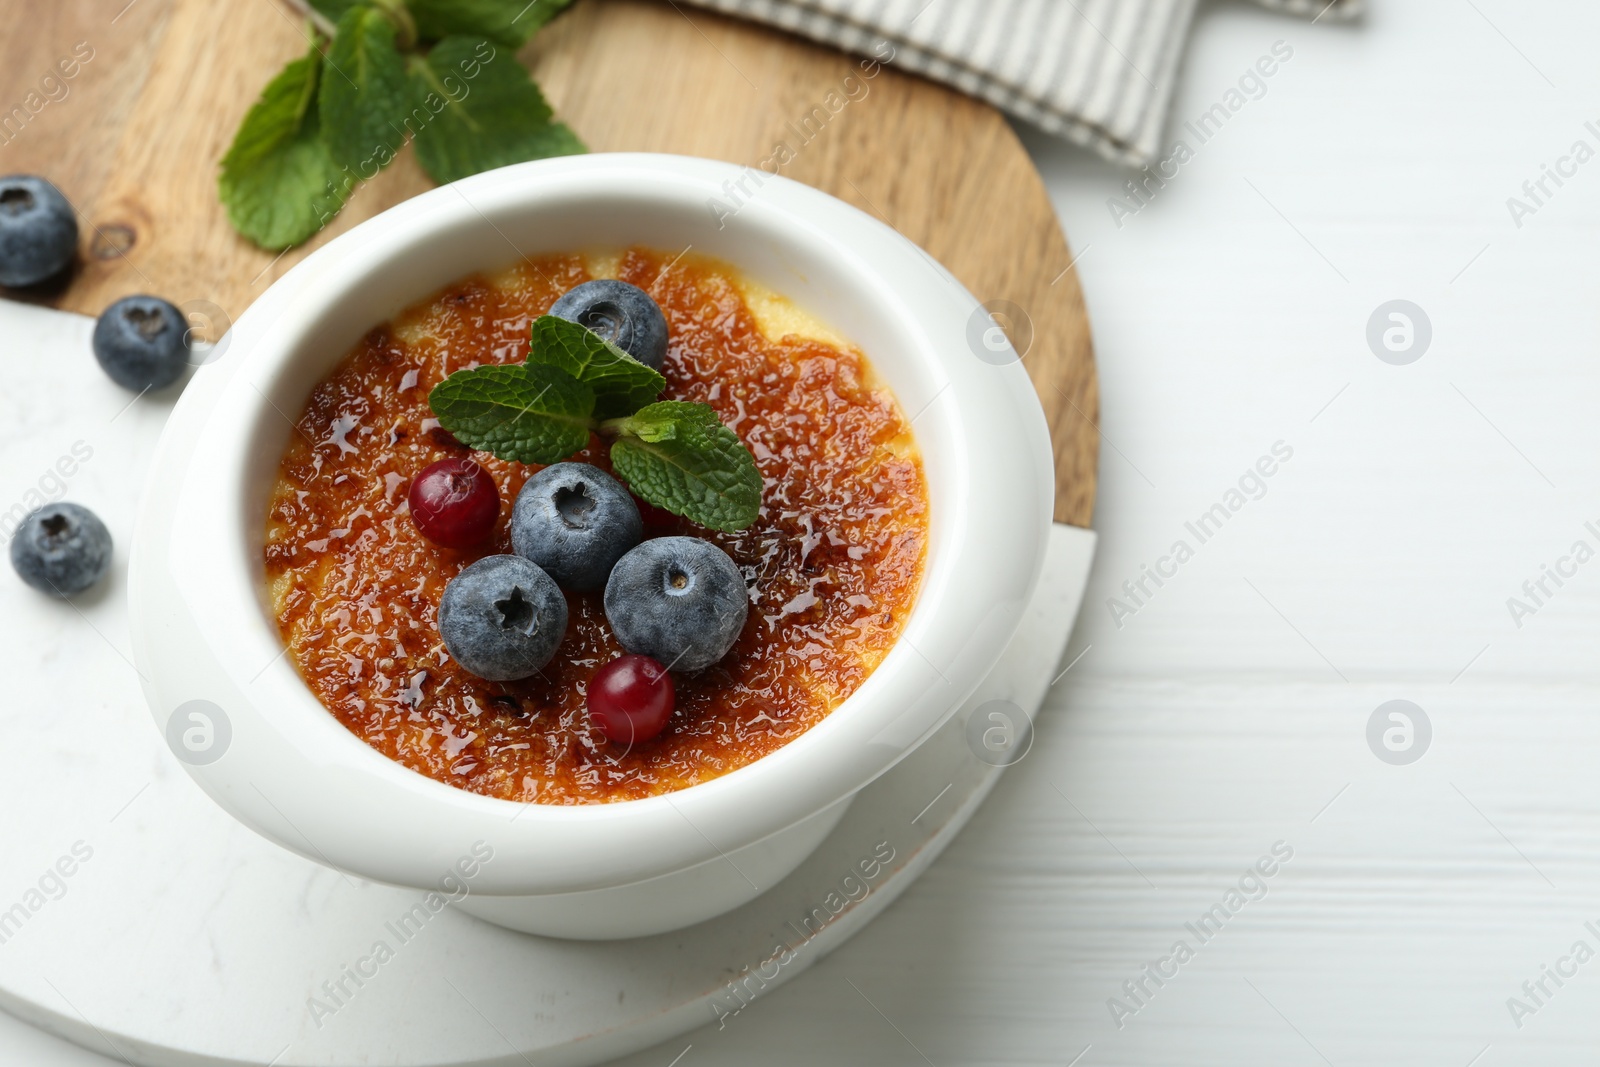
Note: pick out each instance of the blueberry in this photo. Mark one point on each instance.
(575, 521)
(680, 600)
(142, 342)
(502, 618)
(61, 549)
(38, 230)
(621, 313)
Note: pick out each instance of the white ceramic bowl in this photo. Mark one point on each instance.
(266, 750)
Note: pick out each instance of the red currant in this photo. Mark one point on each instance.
(631, 699)
(455, 503)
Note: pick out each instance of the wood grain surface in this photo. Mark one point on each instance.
(132, 138)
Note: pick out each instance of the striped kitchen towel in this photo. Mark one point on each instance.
(1099, 72)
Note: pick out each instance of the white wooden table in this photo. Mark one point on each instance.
(1229, 711)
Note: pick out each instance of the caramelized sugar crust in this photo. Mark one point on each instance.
(833, 564)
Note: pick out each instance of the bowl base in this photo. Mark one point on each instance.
(669, 902)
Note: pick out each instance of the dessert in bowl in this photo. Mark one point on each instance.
(827, 570)
(904, 497)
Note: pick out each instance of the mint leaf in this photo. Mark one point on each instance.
(364, 94)
(334, 10)
(278, 182)
(476, 108)
(621, 384)
(555, 139)
(680, 457)
(529, 414)
(511, 22)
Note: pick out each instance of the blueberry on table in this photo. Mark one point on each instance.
(142, 342)
(575, 521)
(680, 600)
(38, 230)
(622, 314)
(455, 503)
(502, 617)
(630, 699)
(61, 549)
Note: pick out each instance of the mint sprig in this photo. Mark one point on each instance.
(530, 414)
(504, 119)
(509, 22)
(682, 452)
(673, 454)
(621, 384)
(278, 179)
(383, 74)
(363, 95)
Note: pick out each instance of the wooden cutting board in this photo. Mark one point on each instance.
(133, 139)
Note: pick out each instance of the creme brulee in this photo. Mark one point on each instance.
(833, 563)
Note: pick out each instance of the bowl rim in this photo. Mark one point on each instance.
(337, 799)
